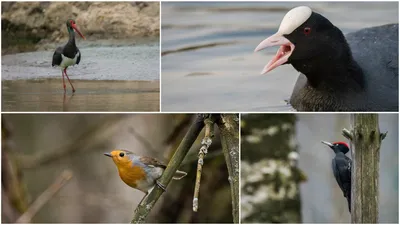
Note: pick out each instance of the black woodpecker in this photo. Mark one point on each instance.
(341, 166)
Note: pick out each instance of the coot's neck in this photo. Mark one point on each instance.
(335, 69)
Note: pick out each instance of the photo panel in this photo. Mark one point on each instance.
(80, 56)
(303, 168)
(120, 168)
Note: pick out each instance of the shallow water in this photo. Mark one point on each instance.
(90, 95)
(208, 62)
(108, 78)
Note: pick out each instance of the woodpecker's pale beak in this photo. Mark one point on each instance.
(327, 143)
(108, 154)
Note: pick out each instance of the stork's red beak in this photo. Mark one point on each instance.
(77, 30)
(283, 53)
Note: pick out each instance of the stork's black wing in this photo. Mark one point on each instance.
(57, 58)
(79, 56)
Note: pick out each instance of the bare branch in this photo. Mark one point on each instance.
(347, 134)
(63, 179)
(229, 127)
(206, 142)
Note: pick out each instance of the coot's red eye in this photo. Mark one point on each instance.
(307, 30)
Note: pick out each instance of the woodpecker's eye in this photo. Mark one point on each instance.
(121, 154)
(307, 30)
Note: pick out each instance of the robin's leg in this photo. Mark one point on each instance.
(161, 185)
(147, 194)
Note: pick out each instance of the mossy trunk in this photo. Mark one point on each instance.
(365, 171)
(270, 177)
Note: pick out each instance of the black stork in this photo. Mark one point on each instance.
(69, 54)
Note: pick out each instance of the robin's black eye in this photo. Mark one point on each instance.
(121, 154)
(307, 30)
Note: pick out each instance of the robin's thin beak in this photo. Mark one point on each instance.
(107, 154)
(327, 143)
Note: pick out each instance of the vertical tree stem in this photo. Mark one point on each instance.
(229, 128)
(365, 172)
(205, 144)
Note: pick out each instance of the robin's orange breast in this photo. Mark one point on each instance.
(132, 175)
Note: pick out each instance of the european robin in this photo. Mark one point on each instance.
(140, 172)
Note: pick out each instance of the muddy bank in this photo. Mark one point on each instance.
(90, 95)
(26, 26)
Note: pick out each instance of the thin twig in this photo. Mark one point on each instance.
(40, 201)
(205, 144)
(147, 204)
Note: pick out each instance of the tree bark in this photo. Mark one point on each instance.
(229, 127)
(365, 171)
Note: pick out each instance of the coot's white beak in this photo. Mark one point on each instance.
(282, 55)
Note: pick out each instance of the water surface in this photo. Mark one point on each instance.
(91, 95)
(110, 77)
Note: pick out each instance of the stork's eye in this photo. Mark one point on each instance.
(307, 30)
(121, 154)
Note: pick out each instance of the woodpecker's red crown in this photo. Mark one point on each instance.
(341, 143)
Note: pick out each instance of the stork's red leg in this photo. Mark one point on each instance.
(65, 71)
(63, 81)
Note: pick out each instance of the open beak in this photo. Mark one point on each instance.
(286, 49)
(107, 154)
(77, 30)
(327, 143)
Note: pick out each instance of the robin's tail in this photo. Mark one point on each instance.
(179, 175)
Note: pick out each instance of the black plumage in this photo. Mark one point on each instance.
(69, 54)
(356, 72)
(341, 167)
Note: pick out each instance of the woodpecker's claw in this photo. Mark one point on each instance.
(162, 186)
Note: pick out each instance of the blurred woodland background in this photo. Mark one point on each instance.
(286, 174)
(38, 148)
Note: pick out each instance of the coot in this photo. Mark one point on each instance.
(358, 72)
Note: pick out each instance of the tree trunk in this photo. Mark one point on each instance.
(365, 171)
(269, 174)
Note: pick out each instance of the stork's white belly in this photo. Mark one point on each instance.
(65, 62)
